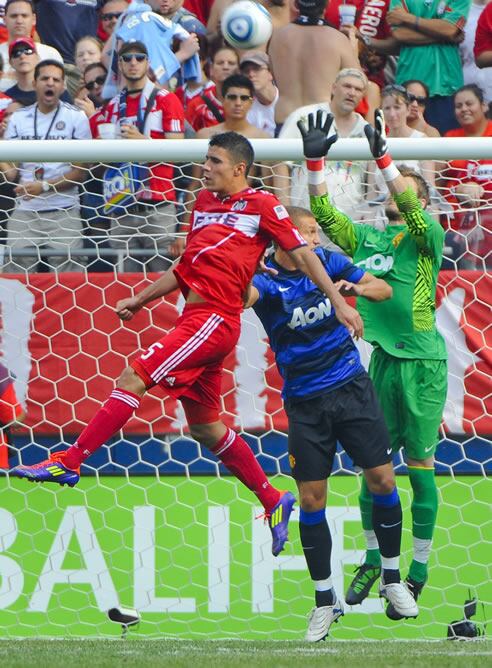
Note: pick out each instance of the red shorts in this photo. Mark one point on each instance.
(187, 362)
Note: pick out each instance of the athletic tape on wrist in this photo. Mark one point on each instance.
(316, 171)
(388, 168)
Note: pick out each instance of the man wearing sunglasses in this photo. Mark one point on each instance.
(20, 21)
(23, 58)
(141, 111)
(109, 14)
(238, 94)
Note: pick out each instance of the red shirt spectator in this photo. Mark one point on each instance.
(166, 116)
(201, 113)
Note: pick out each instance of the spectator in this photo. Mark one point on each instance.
(47, 213)
(6, 189)
(23, 59)
(480, 17)
(395, 104)
(95, 222)
(256, 66)
(468, 186)
(87, 50)
(346, 180)
(206, 109)
(62, 24)
(109, 13)
(141, 111)
(3, 30)
(201, 8)
(20, 21)
(175, 12)
(418, 94)
(89, 97)
(238, 94)
(428, 34)
(306, 56)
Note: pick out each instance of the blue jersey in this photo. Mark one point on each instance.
(313, 351)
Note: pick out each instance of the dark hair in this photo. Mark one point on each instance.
(238, 147)
(11, 2)
(49, 62)
(95, 66)
(312, 8)
(405, 84)
(422, 186)
(237, 81)
(472, 88)
(226, 47)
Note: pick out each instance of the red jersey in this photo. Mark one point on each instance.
(200, 8)
(227, 240)
(166, 115)
(371, 20)
(483, 35)
(198, 113)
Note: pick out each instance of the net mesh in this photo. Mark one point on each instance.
(155, 523)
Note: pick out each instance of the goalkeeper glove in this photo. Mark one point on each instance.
(376, 136)
(316, 144)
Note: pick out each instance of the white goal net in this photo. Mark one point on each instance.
(155, 524)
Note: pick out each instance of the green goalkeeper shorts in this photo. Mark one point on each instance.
(412, 394)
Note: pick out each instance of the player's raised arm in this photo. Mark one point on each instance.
(317, 141)
(126, 308)
(405, 197)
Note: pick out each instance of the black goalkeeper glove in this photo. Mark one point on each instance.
(376, 136)
(315, 140)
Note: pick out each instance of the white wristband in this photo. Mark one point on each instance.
(315, 178)
(390, 173)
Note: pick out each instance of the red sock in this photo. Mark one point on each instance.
(107, 421)
(236, 455)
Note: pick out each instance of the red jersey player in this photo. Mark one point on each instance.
(231, 226)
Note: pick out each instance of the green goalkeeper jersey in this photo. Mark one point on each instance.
(408, 257)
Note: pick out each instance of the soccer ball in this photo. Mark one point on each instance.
(246, 25)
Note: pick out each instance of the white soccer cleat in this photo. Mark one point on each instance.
(398, 594)
(320, 620)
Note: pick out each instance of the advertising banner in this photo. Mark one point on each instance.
(190, 556)
(62, 340)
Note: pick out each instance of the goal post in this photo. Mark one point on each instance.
(156, 524)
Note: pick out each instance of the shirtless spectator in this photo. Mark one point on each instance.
(306, 56)
(206, 109)
(256, 66)
(20, 21)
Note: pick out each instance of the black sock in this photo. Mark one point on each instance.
(316, 543)
(387, 523)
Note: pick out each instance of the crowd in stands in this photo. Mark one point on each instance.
(162, 70)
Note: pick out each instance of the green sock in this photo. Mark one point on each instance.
(424, 514)
(373, 557)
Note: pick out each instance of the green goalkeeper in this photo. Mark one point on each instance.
(408, 364)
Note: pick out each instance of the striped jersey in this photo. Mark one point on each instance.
(313, 351)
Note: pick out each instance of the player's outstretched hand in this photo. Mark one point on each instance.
(348, 289)
(350, 317)
(126, 308)
(376, 136)
(315, 140)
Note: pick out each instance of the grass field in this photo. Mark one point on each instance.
(228, 654)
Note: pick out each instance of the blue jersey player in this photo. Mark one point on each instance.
(328, 396)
